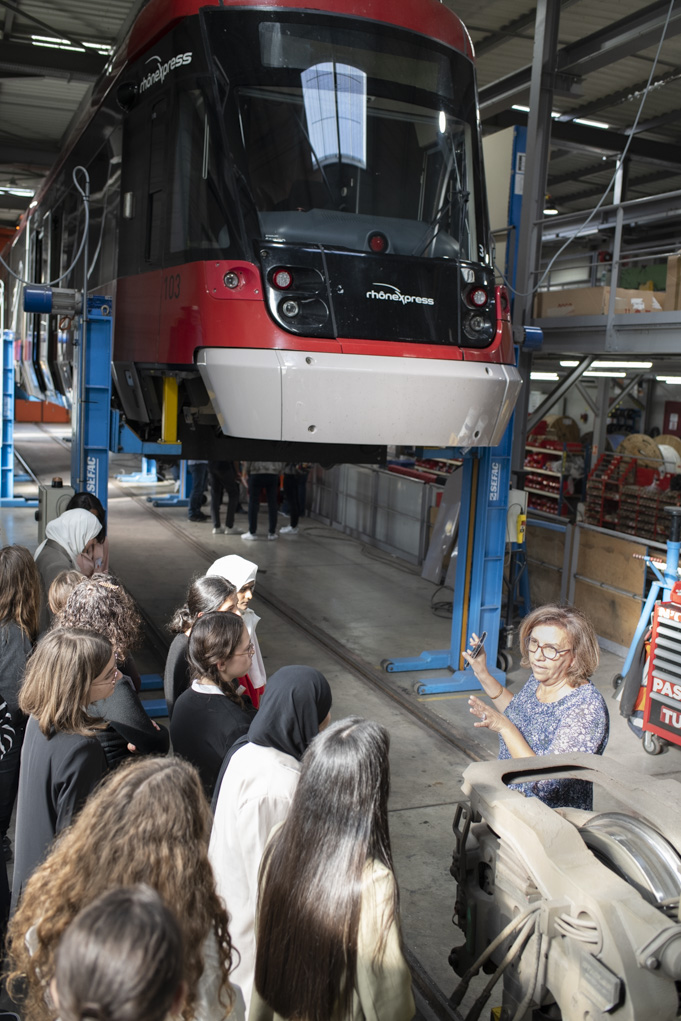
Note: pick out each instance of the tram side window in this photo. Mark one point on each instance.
(157, 172)
(72, 218)
(105, 183)
(199, 216)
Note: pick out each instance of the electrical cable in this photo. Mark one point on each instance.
(86, 205)
(511, 954)
(532, 985)
(460, 991)
(632, 132)
(443, 608)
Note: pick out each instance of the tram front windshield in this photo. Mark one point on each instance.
(339, 129)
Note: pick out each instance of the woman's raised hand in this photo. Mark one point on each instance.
(478, 663)
(487, 716)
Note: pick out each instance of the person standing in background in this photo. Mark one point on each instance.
(199, 473)
(263, 475)
(223, 476)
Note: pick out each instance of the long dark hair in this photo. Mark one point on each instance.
(311, 874)
(214, 638)
(205, 594)
(121, 957)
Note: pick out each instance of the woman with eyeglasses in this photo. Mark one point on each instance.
(214, 711)
(558, 710)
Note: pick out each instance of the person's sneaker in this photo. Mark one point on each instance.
(288, 530)
(272, 535)
(218, 531)
(199, 517)
(7, 849)
(249, 537)
(232, 531)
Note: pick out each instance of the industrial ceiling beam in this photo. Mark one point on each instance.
(580, 137)
(23, 59)
(621, 96)
(558, 392)
(627, 36)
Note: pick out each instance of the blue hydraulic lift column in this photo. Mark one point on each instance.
(7, 476)
(478, 584)
(91, 416)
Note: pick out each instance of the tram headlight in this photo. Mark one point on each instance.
(231, 280)
(290, 308)
(478, 327)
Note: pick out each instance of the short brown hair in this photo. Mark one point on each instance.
(580, 632)
(58, 678)
(61, 588)
(20, 589)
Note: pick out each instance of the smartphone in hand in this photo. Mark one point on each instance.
(475, 651)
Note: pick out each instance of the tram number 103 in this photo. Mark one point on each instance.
(171, 286)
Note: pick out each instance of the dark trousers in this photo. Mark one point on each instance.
(270, 483)
(222, 478)
(291, 492)
(198, 472)
(9, 772)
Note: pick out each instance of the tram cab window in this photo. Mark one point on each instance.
(344, 130)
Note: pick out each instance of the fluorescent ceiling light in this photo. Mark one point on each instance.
(53, 43)
(590, 123)
(672, 380)
(606, 375)
(610, 365)
(544, 375)
(23, 192)
(555, 114)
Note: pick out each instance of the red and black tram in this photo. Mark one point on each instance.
(287, 204)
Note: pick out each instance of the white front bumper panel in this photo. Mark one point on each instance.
(301, 396)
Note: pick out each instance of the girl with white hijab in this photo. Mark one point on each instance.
(66, 538)
(241, 573)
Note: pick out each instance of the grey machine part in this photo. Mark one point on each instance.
(577, 912)
(52, 502)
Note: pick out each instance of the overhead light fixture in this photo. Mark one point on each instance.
(591, 124)
(550, 208)
(606, 375)
(555, 114)
(552, 376)
(610, 365)
(20, 192)
(672, 380)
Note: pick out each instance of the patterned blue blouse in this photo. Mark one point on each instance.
(578, 722)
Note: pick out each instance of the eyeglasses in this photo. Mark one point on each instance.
(547, 651)
(250, 650)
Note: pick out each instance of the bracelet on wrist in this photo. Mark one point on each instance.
(502, 689)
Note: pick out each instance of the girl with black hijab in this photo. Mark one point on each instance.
(255, 793)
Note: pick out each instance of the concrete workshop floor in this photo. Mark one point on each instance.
(379, 608)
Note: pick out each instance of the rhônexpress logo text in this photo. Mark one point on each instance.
(158, 73)
(395, 294)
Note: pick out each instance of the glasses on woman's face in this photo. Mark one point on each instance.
(547, 651)
(247, 651)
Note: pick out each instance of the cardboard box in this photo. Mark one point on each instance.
(594, 301)
(672, 296)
